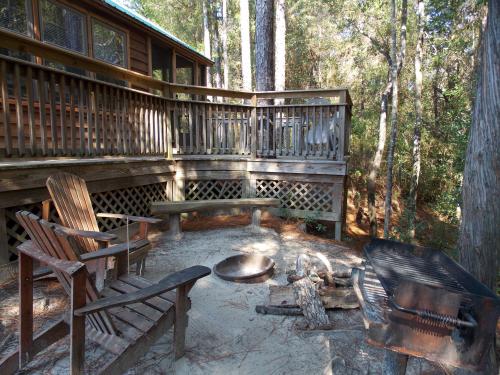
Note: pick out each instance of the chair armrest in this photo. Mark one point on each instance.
(139, 219)
(98, 236)
(178, 279)
(67, 266)
(104, 253)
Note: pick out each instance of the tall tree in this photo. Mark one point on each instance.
(415, 174)
(225, 61)
(479, 235)
(280, 47)
(246, 63)
(264, 52)
(397, 60)
(206, 39)
(395, 65)
(479, 238)
(217, 53)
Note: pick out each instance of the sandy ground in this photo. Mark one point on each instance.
(225, 335)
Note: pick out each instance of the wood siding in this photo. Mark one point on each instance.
(138, 53)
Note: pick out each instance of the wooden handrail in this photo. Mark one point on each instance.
(48, 51)
(18, 42)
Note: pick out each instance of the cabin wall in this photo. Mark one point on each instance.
(139, 58)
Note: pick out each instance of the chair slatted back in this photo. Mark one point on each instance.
(72, 201)
(57, 245)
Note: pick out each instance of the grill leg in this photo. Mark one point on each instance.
(394, 363)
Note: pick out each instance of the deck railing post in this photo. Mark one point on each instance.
(253, 126)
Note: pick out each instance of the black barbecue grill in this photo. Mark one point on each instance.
(418, 301)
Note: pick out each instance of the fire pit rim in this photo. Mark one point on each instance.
(261, 276)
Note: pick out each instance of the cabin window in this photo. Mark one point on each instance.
(185, 71)
(63, 26)
(108, 44)
(161, 62)
(15, 15)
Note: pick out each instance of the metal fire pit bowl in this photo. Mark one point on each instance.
(245, 268)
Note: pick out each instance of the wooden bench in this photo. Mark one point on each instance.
(175, 209)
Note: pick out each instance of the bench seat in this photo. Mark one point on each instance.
(175, 209)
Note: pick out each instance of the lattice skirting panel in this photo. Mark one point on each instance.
(134, 200)
(131, 201)
(213, 189)
(295, 195)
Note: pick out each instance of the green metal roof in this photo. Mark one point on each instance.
(150, 24)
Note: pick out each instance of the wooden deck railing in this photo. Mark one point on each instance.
(49, 112)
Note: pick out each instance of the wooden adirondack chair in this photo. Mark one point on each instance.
(71, 198)
(125, 319)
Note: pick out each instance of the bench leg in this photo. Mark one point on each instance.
(175, 230)
(256, 213)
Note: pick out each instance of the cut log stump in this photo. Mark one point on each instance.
(309, 301)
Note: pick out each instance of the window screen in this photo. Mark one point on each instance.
(63, 26)
(108, 44)
(15, 15)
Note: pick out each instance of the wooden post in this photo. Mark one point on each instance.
(77, 330)
(168, 125)
(46, 209)
(341, 141)
(173, 66)
(180, 321)
(4, 244)
(253, 125)
(25, 308)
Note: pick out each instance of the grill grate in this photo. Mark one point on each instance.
(395, 262)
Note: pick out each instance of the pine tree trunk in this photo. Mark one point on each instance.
(280, 49)
(479, 240)
(246, 65)
(206, 40)
(225, 60)
(396, 66)
(216, 48)
(264, 42)
(377, 160)
(415, 175)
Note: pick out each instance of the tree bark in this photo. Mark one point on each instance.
(246, 65)
(216, 47)
(479, 237)
(377, 160)
(397, 63)
(264, 42)
(308, 299)
(415, 175)
(206, 40)
(280, 49)
(225, 60)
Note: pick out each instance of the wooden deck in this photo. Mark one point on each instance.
(149, 140)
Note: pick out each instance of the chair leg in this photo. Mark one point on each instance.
(77, 328)
(180, 321)
(25, 309)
